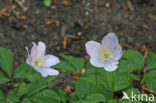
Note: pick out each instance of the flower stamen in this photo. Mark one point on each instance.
(105, 54)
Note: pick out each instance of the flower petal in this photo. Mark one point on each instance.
(117, 53)
(41, 48)
(51, 60)
(33, 53)
(29, 60)
(97, 62)
(111, 65)
(47, 71)
(93, 48)
(110, 41)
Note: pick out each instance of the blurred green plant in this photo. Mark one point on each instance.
(47, 3)
(36, 89)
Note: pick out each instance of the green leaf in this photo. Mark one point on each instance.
(77, 63)
(12, 97)
(60, 93)
(46, 96)
(87, 85)
(1, 96)
(36, 86)
(73, 97)
(95, 98)
(4, 79)
(131, 60)
(150, 80)
(121, 81)
(47, 3)
(83, 88)
(151, 61)
(65, 66)
(22, 70)
(6, 60)
(90, 69)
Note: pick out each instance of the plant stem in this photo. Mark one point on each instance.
(21, 81)
(96, 76)
(113, 84)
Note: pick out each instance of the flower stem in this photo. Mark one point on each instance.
(96, 76)
(21, 81)
(113, 84)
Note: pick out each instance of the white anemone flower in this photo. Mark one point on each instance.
(41, 62)
(106, 54)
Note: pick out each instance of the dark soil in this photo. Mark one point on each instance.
(80, 21)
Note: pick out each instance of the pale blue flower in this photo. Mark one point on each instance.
(106, 54)
(41, 62)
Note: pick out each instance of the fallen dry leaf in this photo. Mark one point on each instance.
(76, 77)
(22, 18)
(144, 26)
(51, 43)
(55, 2)
(17, 14)
(65, 3)
(49, 22)
(153, 18)
(25, 26)
(125, 8)
(57, 22)
(65, 42)
(107, 5)
(16, 64)
(68, 89)
(146, 50)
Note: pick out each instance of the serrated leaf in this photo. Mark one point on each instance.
(76, 62)
(150, 80)
(36, 86)
(131, 60)
(121, 81)
(73, 97)
(60, 93)
(90, 69)
(46, 96)
(151, 61)
(95, 98)
(12, 97)
(1, 96)
(6, 60)
(83, 88)
(47, 3)
(3, 77)
(65, 66)
(22, 70)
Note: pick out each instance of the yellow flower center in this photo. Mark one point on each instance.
(39, 61)
(105, 54)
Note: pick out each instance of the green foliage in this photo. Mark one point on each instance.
(6, 60)
(89, 88)
(47, 3)
(131, 60)
(12, 97)
(3, 77)
(1, 96)
(46, 96)
(70, 64)
(151, 61)
(150, 80)
(60, 93)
